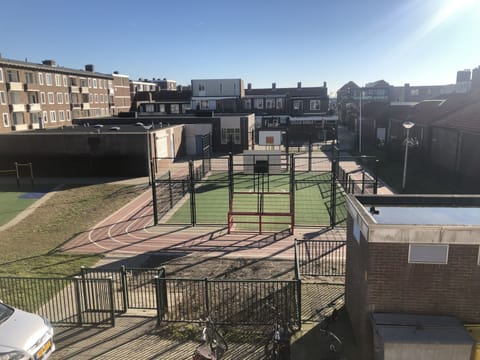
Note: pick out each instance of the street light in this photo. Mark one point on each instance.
(360, 126)
(407, 125)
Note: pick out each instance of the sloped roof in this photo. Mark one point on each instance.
(378, 84)
(466, 118)
(348, 85)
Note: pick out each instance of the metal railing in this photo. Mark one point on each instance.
(320, 257)
(64, 301)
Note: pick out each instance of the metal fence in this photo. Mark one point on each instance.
(320, 257)
(239, 302)
(64, 301)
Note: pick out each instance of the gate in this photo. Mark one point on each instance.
(64, 301)
(320, 257)
(134, 288)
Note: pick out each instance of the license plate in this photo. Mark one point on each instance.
(43, 350)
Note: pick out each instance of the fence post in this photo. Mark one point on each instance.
(299, 303)
(363, 181)
(154, 196)
(207, 299)
(112, 301)
(191, 172)
(170, 188)
(124, 281)
(375, 187)
(17, 173)
(333, 199)
(158, 295)
(84, 286)
(78, 301)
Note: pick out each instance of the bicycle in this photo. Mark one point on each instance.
(278, 345)
(329, 342)
(214, 345)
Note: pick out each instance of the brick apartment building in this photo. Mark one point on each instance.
(35, 96)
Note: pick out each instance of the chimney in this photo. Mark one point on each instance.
(52, 63)
(274, 86)
(115, 72)
(299, 85)
(90, 67)
(324, 84)
(249, 86)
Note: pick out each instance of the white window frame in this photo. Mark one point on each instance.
(426, 247)
(65, 81)
(58, 80)
(43, 99)
(61, 115)
(258, 104)
(96, 98)
(3, 98)
(315, 105)
(48, 79)
(40, 78)
(270, 103)
(89, 82)
(68, 118)
(54, 117)
(7, 122)
(51, 98)
(45, 117)
(59, 98)
(1, 75)
(94, 81)
(67, 98)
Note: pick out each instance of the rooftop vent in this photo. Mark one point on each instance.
(90, 67)
(274, 86)
(299, 85)
(99, 126)
(115, 128)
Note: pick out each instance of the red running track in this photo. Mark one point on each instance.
(130, 231)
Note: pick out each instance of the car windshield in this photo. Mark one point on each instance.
(5, 312)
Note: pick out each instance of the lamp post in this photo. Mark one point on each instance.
(407, 125)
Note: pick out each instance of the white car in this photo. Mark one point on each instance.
(23, 335)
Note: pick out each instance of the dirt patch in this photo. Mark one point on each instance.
(217, 268)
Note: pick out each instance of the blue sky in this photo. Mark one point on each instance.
(422, 42)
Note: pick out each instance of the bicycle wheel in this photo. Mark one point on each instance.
(272, 350)
(334, 343)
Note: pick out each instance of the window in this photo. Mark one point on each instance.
(3, 99)
(89, 83)
(12, 76)
(40, 78)
(61, 115)
(270, 104)
(414, 92)
(59, 98)
(428, 254)
(95, 83)
(314, 104)
(101, 98)
(30, 78)
(65, 81)
(44, 117)
(1, 75)
(42, 98)
(67, 99)
(68, 115)
(175, 109)
(230, 134)
(247, 104)
(48, 79)
(258, 104)
(6, 122)
(51, 99)
(90, 98)
(58, 80)
(53, 116)
(297, 104)
(96, 98)
(279, 104)
(100, 83)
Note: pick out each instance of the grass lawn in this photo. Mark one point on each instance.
(312, 197)
(30, 247)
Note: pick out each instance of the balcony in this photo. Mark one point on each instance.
(84, 89)
(76, 105)
(74, 89)
(17, 107)
(86, 106)
(111, 91)
(15, 86)
(34, 126)
(31, 87)
(19, 127)
(34, 107)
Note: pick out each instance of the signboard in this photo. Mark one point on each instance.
(270, 138)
